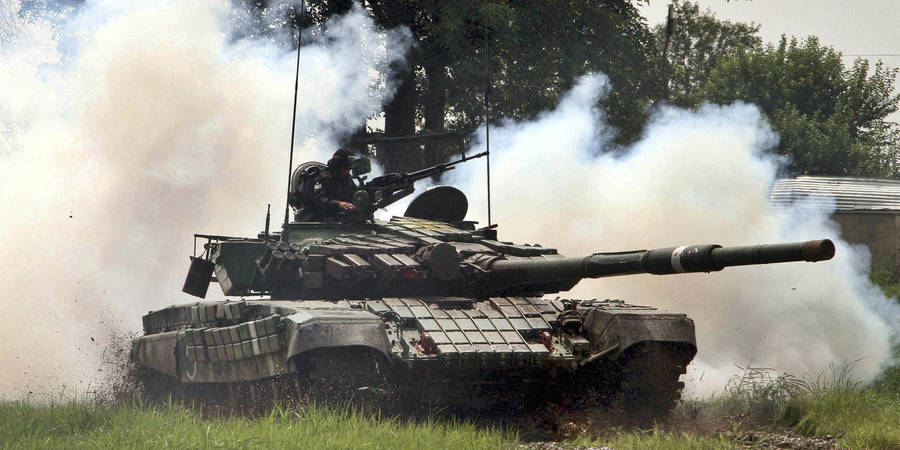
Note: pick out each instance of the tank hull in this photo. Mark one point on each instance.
(429, 341)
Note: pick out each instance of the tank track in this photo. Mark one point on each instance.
(641, 387)
(650, 386)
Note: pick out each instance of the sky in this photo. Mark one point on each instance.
(867, 27)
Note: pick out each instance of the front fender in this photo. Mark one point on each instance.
(314, 329)
(616, 331)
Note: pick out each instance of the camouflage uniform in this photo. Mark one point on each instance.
(327, 190)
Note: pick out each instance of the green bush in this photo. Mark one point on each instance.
(886, 279)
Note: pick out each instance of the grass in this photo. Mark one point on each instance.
(861, 418)
(760, 405)
(759, 401)
(857, 416)
(758, 396)
(137, 425)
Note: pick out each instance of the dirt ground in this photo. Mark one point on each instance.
(559, 427)
(751, 439)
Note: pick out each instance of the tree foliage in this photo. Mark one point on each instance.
(698, 41)
(832, 119)
(529, 50)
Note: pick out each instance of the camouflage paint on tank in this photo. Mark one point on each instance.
(379, 288)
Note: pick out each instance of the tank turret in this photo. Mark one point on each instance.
(398, 259)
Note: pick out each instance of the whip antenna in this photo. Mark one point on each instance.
(487, 117)
(294, 112)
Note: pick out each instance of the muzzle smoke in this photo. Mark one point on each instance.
(692, 178)
(130, 126)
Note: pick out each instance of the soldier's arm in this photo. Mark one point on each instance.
(326, 202)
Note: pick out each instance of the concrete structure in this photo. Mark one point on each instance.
(867, 209)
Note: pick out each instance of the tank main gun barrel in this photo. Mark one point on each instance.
(662, 261)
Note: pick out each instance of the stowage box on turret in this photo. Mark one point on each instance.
(428, 301)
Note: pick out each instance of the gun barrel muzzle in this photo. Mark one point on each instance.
(811, 251)
(712, 257)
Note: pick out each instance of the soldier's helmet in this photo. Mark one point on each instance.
(340, 160)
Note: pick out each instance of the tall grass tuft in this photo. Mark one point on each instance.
(860, 416)
(758, 395)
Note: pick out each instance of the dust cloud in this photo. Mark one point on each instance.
(128, 126)
(692, 178)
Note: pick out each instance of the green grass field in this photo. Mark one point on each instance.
(857, 417)
(135, 425)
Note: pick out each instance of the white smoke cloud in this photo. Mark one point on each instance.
(692, 178)
(151, 126)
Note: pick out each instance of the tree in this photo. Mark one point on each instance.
(536, 48)
(832, 120)
(698, 41)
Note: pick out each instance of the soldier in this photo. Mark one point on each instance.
(329, 194)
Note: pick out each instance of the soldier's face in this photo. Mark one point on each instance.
(344, 172)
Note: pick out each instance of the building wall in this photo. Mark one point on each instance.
(879, 231)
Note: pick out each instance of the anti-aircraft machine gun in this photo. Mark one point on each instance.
(428, 301)
(379, 192)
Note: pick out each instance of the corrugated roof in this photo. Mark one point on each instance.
(845, 193)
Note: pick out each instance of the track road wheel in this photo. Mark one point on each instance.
(650, 388)
(342, 376)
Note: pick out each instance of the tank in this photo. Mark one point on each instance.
(431, 305)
